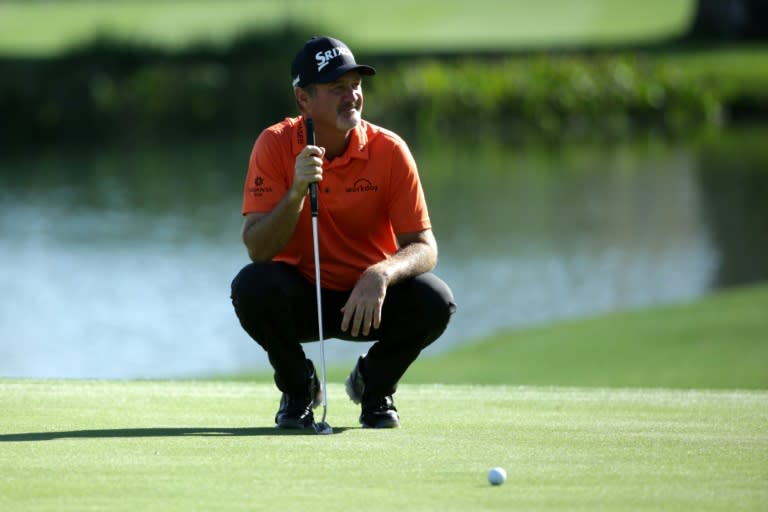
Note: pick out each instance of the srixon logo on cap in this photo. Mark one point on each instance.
(323, 58)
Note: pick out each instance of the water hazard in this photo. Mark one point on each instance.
(116, 262)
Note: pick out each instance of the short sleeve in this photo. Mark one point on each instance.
(407, 204)
(267, 180)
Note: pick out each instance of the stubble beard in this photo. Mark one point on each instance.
(349, 119)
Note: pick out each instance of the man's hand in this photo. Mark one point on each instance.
(417, 254)
(265, 234)
(363, 308)
(307, 169)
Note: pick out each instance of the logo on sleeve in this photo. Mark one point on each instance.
(258, 188)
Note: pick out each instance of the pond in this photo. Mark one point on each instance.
(115, 262)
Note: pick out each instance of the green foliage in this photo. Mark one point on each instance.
(111, 91)
(108, 90)
(548, 94)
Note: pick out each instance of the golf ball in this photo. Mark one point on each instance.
(497, 476)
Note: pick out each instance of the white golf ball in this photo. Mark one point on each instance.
(497, 476)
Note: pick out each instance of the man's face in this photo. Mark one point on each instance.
(339, 103)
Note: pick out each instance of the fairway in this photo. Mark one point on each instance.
(40, 28)
(92, 445)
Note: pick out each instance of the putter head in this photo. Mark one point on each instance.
(322, 427)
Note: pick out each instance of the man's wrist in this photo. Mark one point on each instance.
(296, 196)
(381, 271)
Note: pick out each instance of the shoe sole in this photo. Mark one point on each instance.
(293, 425)
(383, 424)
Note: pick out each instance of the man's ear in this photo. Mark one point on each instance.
(302, 98)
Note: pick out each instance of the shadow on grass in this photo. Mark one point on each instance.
(162, 432)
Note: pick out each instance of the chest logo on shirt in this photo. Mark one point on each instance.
(363, 185)
(258, 188)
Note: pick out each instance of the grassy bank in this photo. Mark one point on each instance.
(599, 94)
(106, 93)
(82, 445)
(720, 341)
(49, 28)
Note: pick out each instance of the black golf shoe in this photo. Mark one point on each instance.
(296, 409)
(354, 384)
(379, 412)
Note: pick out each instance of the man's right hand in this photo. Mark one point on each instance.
(265, 234)
(308, 169)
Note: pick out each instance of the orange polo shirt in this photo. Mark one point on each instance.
(368, 194)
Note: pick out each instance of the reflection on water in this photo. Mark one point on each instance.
(117, 263)
(554, 235)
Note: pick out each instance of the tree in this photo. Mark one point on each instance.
(730, 20)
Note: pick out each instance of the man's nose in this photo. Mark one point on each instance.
(350, 94)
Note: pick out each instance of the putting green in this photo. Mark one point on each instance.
(113, 445)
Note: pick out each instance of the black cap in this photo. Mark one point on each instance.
(324, 59)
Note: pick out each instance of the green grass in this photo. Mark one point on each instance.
(210, 445)
(600, 431)
(46, 27)
(85, 445)
(720, 341)
(736, 69)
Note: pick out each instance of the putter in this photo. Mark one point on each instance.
(321, 427)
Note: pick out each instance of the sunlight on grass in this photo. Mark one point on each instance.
(73, 445)
(719, 341)
(398, 25)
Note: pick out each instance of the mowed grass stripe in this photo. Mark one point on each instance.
(398, 25)
(92, 445)
(718, 341)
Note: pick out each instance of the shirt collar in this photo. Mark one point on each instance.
(357, 147)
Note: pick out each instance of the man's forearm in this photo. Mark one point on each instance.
(411, 260)
(266, 235)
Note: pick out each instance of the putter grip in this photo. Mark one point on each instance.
(312, 186)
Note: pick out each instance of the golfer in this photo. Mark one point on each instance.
(376, 245)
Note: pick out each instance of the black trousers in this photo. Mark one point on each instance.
(277, 307)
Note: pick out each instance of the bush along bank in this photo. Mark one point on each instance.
(108, 92)
(112, 91)
(560, 95)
